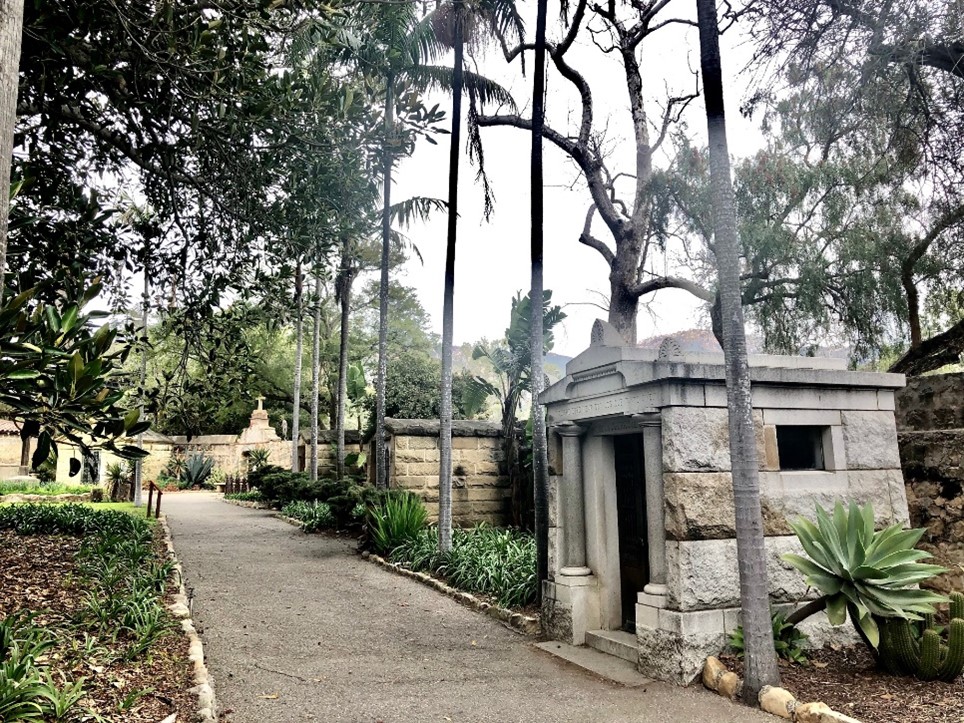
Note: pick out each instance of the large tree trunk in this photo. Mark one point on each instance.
(315, 381)
(761, 662)
(381, 459)
(11, 38)
(448, 312)
(945, 348)
(138, 464)
(540, 459)
(622, 311)
(344, 296)
(296, 392)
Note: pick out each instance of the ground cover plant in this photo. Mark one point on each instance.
(33, 487)
(84, 632)
(253, 496)
(313, 516)
(497, 562)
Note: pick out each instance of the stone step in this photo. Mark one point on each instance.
(614, 642)
(605, 666)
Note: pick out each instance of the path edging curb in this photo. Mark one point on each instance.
(523, 624)
(180, 608)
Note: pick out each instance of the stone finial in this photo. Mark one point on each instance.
(605, 334)
(670, 349)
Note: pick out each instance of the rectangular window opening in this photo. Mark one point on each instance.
(800, 447)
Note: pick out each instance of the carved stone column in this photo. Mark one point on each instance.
(572, 505)
(655, 524)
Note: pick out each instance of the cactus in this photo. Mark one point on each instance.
(932, 658)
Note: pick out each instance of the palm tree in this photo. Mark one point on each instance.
(296, 391)
(761, 663)
(395, 46)
(315, 379)
(11, 39)
(346, 275)
(453, 23)
(540, 454)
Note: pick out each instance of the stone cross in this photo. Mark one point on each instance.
(260, 399)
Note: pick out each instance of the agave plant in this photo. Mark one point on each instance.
(197, 468)
(866, 573)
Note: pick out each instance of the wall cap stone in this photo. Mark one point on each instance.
(430, 428)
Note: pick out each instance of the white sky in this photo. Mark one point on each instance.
(492, 260)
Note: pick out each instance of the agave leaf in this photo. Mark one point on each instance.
(855, 526)
(830, 538)
(808, 534)
(866, 572)
(807, 567)
(910, 599)
(837, 609)
(868, 517)
(911, 574)
(902, 557)
(898, 540)
(869, 626)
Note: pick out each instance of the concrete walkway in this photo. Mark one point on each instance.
(299, 628)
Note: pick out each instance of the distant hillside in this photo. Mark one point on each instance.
(702, 341)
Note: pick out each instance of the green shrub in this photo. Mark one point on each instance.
(788, 640)
(395, 520)
(313, 515)
(484, 559)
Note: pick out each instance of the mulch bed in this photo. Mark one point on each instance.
(37, 573)
(848, 681)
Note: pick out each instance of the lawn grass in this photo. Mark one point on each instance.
(32, 487)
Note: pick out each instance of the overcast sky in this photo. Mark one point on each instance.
(493, 258)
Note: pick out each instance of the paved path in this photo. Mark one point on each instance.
(299, 628)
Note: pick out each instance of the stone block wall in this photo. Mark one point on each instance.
(930, 420)
(860, 451)
(675, 632)
(931, 402)
(480, 485)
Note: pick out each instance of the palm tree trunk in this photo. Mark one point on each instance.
(315, 381)
(11, 39)
(448, 312)
(761, 664)
(540, 460)
(138, 464)
(381, 459)
(296, 392)
(344, 293)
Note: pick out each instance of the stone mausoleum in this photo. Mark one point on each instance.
(642, 548)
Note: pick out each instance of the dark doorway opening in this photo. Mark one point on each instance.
(631, 518)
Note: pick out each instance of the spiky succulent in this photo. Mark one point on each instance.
(870, 573)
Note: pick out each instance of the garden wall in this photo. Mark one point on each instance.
(930, 423)
(480, 485)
